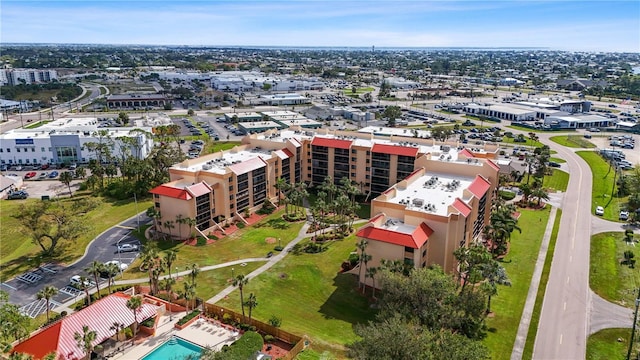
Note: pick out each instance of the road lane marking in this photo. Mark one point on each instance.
(560, 339)
(564, 307)
(570, 258)
(568, 277)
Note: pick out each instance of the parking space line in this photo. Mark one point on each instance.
(9, 286)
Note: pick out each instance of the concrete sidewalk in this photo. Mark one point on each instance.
(527, 312)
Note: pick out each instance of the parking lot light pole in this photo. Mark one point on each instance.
(135, 199)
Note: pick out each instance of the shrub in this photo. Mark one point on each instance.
(227, 318)
(149, 322)
(266, 209)
(212, 237)
(275, 321)
(278, 248)
(188, 317)
(269, 338)
(241, 225)
(507, 195)
(201, 241)
(128, 333)
(353, 258)
(243, 348)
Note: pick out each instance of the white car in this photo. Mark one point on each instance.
(76, 282)
(599, 210)
(127, 248)
(624, 215)
(121, 266)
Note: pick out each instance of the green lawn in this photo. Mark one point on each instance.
(209, 283)
(558, 181)
(312, 297)
(602, 192)
(604, 344)
(16, 247)
(244, 243)
(37, 124)
(215, 146)
(573, 141)
(361, 90)
(544, 278)
(519, 264)
(558, 160)
(607, 276)
(506, 140)
(524, 128)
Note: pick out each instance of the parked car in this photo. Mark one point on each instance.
(4, 167)
(18, 194)
(127, 248)
(43, 176)
(554, 164)
(30, 175)
(624, 215)
(19, 168)
(53, 175)
(73, 166)
(44, 166)
(76, 281)
(599, 210)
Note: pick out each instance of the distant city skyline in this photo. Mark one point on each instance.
(555, 25)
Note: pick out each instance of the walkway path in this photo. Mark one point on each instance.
(525, 320)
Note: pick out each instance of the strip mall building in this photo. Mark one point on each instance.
(427, 198)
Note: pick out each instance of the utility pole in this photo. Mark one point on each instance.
(633, 328)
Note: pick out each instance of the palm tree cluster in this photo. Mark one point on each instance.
(155, 264)
(292, 196)
(501, 224)
(336, 204)
(536, 167)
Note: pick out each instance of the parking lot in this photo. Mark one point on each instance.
(602, 142)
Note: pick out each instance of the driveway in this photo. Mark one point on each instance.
(101, 249)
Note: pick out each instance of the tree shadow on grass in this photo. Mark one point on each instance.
(346, 303)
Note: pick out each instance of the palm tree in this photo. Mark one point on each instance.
(47, 293)
(84, 285)
(281, 186)
(170, 257)
(153, 213)
(240, 281)
(251, 303)
(495, 275)
(540, 194)
(365, 259)
(167, 285)
(189, 292)
(85, 340)
(135, 304)
(191, 222)
(371, 272)
(180, 220)
(117, 327)
(362, 245)
(150, 260)
(111, 270)
(95, 268)
(66, 178)
(194, 271)
(169, 224)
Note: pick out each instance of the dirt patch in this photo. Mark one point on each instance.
(270, 240)
(283, 276)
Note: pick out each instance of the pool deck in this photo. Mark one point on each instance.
(201, 332)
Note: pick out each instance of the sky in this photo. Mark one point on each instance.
(557, 25)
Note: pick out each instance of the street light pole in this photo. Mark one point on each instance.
(135, 199)
(633, 328)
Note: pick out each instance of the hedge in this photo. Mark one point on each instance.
(507, 195)
(188, 317)
(243, 348)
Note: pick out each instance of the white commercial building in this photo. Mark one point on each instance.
(27, 76)
(64, 142)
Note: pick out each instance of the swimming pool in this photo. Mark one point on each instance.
(175, 348)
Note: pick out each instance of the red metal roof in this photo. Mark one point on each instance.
(395, 150)
(248, 165)
(479, 186)
(171, 191)
(414, 240)
(466, 153)
(332, 143)
(198, 189)
(99, 317)
(462, 207)
(283, 153)
(495, 166)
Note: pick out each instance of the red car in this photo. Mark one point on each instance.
(29, 175)
(44, 167)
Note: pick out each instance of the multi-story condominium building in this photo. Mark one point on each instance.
(219, 187)
(63, 142)
(27, 76)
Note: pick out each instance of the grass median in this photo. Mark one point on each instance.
(604, 344)
(572, 141)
(519, 264)
(559, 180)
(603, 192)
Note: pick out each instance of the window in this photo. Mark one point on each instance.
(353, 175)
(408, 249)
(230, 187)
(157, 204)
(353, 167)
(367, 169)
(424, 253)
(156, 196)
(49, 149)
(33, 149)
(42, 149)
(8, 150)
(1, 150)
(353, 158)
(354, 151)
(17, 149)
(368, 161)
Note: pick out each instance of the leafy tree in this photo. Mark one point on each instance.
(14, 324)
(50, 223)
(266, 86)
(66, 177)
(240, 281)
(47, 293)
(189, 292)
(391, 113)
(85, 340)
(123, 118)
(471, 261)
(495, 275)
(190, 112)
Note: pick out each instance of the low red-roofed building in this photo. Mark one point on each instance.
(99, 317)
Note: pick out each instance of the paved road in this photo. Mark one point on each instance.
(564, 320)
(102, 249)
